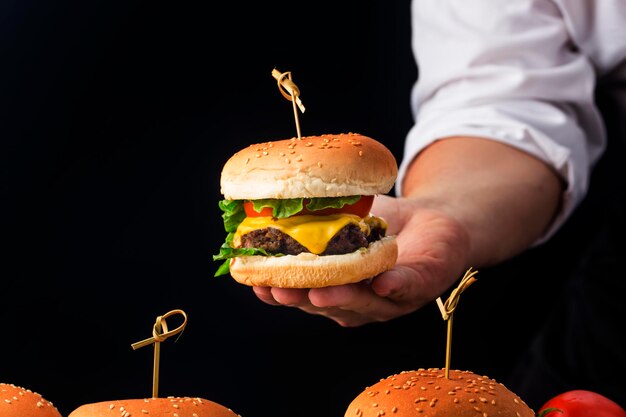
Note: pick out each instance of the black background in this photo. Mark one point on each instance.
(117, 118)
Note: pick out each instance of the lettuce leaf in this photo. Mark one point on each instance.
(321, 203)
(287, 207)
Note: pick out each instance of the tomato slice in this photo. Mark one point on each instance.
(250, 212)
(361, 208)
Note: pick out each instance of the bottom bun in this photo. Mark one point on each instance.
(155, 407)
(21, 402)
(308, 270)
(428, 393)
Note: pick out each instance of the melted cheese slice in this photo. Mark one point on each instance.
(312, 232)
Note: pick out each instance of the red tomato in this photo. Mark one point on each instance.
(250, 212)
(361, 208)
(582, 403)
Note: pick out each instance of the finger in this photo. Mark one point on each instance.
(299, 298)
(359, 299)
(293, 297)
(401, 284)
(265, 294)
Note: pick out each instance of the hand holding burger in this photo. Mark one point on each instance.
(297, 212)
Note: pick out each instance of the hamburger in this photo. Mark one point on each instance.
(428, 393)
(297, 212)
(16, 401)
(170, 407)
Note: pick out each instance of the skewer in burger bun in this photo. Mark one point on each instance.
(154, 407)
(16, 401)
(427, 393)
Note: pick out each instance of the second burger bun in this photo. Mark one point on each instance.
(155, 407)
(427, 393)
(16, 401)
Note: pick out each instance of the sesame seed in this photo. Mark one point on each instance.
(7, 401)
(482, 399)
(265, 153)
(281, 153)
(432, 403)
(456, 400)
(39, 404)
(374, 405)
(319, 164)
(309, 144)
(144, 411)
(387, 391)
(472, 400)
(111, 407)
(451, 393)
(360, 153)
(419, 410)
(515, 401)
(247, 160)
(175, 405)
(258, 155)
(287, 160)
(476, 408)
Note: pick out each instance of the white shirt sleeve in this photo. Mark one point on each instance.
(505, 70)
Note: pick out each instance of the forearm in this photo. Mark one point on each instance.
(503, 198)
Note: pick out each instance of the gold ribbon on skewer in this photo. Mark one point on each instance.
(447, 310)
(291, 92)
(160, 332)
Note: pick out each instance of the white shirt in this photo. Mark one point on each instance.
(517, 71)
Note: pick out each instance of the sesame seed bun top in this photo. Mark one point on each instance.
(161, 407)
(427, 393)
(21, 402)
(313, 166)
